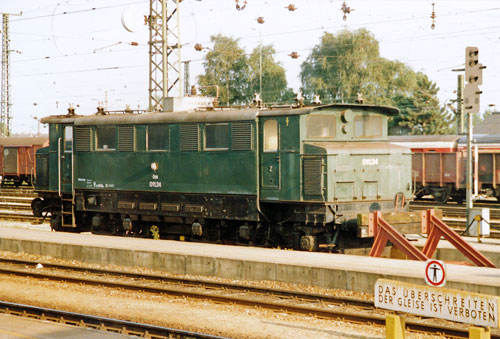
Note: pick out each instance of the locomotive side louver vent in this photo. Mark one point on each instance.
(313, 177)
(125, 138)
(189, 137)
(82, 139)
(242, 136)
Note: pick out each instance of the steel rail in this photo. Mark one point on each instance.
(454, 215)
(186, 282)
(100, 323)
(266, 303)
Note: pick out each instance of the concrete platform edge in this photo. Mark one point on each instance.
(222, 267)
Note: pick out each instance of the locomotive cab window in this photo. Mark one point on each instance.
(106, 138)
(320, 126)
(217, 137)
(68, 138)
(367, 126)
(158, 138)
(270, 136)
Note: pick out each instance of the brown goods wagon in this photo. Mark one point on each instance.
(438, 174)
(17, 159)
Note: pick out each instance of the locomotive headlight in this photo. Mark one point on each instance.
(154, 166)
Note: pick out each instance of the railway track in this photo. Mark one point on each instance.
(454, 214)
(100, 323)
(15, 205)
(323, 306)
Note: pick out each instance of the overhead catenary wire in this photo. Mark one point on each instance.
(78, 11)
(280, 52)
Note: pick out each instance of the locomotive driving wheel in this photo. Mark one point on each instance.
(441, 194)
(308, 243)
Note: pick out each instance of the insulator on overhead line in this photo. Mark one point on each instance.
(71, 110)
(346, 10)
(260, 20)
(299, 99)
(100, 110)
(257, 101)
(294, 55)
(433, 17)
(291, 7)
(198, 47)
(242, 7)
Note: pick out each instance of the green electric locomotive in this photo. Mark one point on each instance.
(294, 177)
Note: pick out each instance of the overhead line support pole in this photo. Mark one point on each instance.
(164, 52)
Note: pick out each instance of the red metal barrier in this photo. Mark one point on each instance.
(383, 232)
(436, 228)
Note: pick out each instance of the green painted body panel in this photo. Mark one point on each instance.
(60, 162)
(357, 168)
(221, 171)
(364, 171)
(340, 167)
(280, 170)
(188, 172)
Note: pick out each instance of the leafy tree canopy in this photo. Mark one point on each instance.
(226, 66)
(273, 80)
(348, 65)
(240, 76)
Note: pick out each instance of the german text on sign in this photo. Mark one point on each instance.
(443, 303)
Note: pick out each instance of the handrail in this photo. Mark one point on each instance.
(59, 166)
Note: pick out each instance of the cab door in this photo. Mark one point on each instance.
(66, 159)
(270, 160)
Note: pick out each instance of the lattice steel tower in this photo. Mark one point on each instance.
(164, 52)
(5, 97)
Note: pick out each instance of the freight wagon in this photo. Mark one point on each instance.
(17, 159)
(439, 165)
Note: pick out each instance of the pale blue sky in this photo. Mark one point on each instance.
(80, 56)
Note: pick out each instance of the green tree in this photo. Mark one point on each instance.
(344, 65)
(421, 112)
(338, 67)
(477, 118)
(226, 66)
(274, 84)
(239, 77)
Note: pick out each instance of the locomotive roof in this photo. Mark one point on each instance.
(208, 116)
(23, 141)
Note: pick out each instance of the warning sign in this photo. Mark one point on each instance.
(435, 273)
(467, 307)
